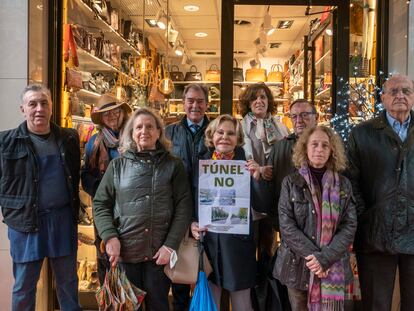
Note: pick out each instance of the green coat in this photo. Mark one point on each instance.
(145, 200)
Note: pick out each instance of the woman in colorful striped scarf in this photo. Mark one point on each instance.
(317, 224)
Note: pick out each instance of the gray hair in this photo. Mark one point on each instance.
(397, 76)
(36, 88)
(196, 87)
(305, 101)
(128, 143)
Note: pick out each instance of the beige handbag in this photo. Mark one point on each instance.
(186, 269)
(213, 74)
(275, 74)
(256, 74)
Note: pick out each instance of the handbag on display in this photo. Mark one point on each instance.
(69, 46)
(73, 78)
(256, 74)
(213, 73)
(237, 72)
(193, 74)
(115, 19)
(176, 74)
(275, 74)
(186, 268)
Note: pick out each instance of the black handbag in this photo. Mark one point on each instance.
(193, 75)
(263, 196)
(176, 74)
(237, 72)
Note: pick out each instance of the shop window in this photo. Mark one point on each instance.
(38, 58)
(362, 59)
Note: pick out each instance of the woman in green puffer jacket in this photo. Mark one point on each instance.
(143, 206)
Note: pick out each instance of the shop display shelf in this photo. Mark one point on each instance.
(325, 94)
(81, 119)
(96, 24)
(297, 60)
(326, 55)
(88, 94)
(91, 63)
(295, 88)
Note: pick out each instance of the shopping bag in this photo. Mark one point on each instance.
(118, 293)
(202, 297)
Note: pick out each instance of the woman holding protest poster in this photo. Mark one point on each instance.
(232, 255)
(317, 224)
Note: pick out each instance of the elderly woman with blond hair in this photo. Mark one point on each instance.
(317, 224)
(232, 255)
(143, 206)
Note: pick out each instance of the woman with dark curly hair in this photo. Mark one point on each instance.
(261, 130)
(317, 224)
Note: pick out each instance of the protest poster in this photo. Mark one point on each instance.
(224, 196)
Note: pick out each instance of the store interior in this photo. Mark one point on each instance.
(128, 48)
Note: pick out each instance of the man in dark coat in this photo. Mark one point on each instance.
(303, 115)
(187, 137)
(39, 177)
(381, 169)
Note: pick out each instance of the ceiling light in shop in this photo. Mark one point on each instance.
(201, 34)
(179, 50)
(39, 7)
(191, 8)
(151, 22)
(161, 19)
(284, 24)
(329, 31)
(267, 24)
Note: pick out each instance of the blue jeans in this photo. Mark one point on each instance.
(26, 276)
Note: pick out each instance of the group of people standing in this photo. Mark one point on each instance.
(143, 178)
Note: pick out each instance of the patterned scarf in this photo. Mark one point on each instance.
(266, 131)
(100, 157)
(327, 293)
(222, 156)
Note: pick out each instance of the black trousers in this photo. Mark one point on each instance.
(181, 294)
(377, 277)
(151, 278)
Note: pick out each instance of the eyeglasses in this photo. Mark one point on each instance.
(190, 100)
(394, 92)
(115, 112)
(303, 115)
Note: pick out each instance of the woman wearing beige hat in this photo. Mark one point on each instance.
(111, 116)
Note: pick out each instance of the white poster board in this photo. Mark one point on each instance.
(224, 196)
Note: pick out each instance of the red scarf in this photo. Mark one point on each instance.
(222, 156)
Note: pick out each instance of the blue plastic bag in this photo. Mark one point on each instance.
(202, 298)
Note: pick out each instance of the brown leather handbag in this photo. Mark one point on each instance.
(176, 74)
(275, 74)
(256, 74)
(193, 74)
(186, 268)
(237, 72)
(213, 73)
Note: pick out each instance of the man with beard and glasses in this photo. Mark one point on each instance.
(187, 137)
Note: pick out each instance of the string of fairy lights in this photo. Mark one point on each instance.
(358, 100)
